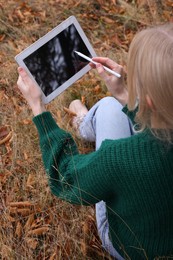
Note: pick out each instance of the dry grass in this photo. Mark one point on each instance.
(33, 223)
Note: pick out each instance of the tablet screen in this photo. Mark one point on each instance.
(55, 62)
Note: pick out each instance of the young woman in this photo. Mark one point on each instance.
(130, 175)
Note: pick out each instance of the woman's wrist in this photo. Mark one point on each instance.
(122, 97)
(38, 109)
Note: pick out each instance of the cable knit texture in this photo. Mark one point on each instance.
(134, 176)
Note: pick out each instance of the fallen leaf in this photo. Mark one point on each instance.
(20, 204)
(38, 231)
(25, 155)
(2, 37)
(27, 122)
(3, 131)
(108, 20)
(29, 222)
(30, 181)
(19, 211)
(19, 15)
(18, 231)
(5, 134)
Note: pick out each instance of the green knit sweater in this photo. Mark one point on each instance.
(134, 176)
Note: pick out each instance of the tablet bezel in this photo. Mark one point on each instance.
(47, 37)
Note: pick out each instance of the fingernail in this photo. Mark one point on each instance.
(20, 70)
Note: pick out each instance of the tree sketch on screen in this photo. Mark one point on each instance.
(56, 62)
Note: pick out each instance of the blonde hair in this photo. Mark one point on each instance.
(150, 72)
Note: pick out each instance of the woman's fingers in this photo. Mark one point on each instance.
(106, 62)
(102, 72)
(99, 68)
(21, 84)
(27, 86)
(25, 77)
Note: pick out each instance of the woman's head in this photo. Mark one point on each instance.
(150, 74)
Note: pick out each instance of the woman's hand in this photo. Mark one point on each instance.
(115, 85)
(30, 91)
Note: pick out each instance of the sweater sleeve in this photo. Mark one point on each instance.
(77, 178)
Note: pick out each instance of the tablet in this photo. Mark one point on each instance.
(52, 62)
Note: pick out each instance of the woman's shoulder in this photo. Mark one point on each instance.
(140, 145)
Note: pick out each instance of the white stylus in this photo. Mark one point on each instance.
(89, 59)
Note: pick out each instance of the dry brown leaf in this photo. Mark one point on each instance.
(19, 211)
(2, 37)
(25, 155)
(31, 180)
(108, 20)
(19, 15)
(8, 148)
(85, 228)
(5, 134)
(24, 212)
(19, 204)
(38, 231)
(27, 122)
(29, 222)
(18, 231)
